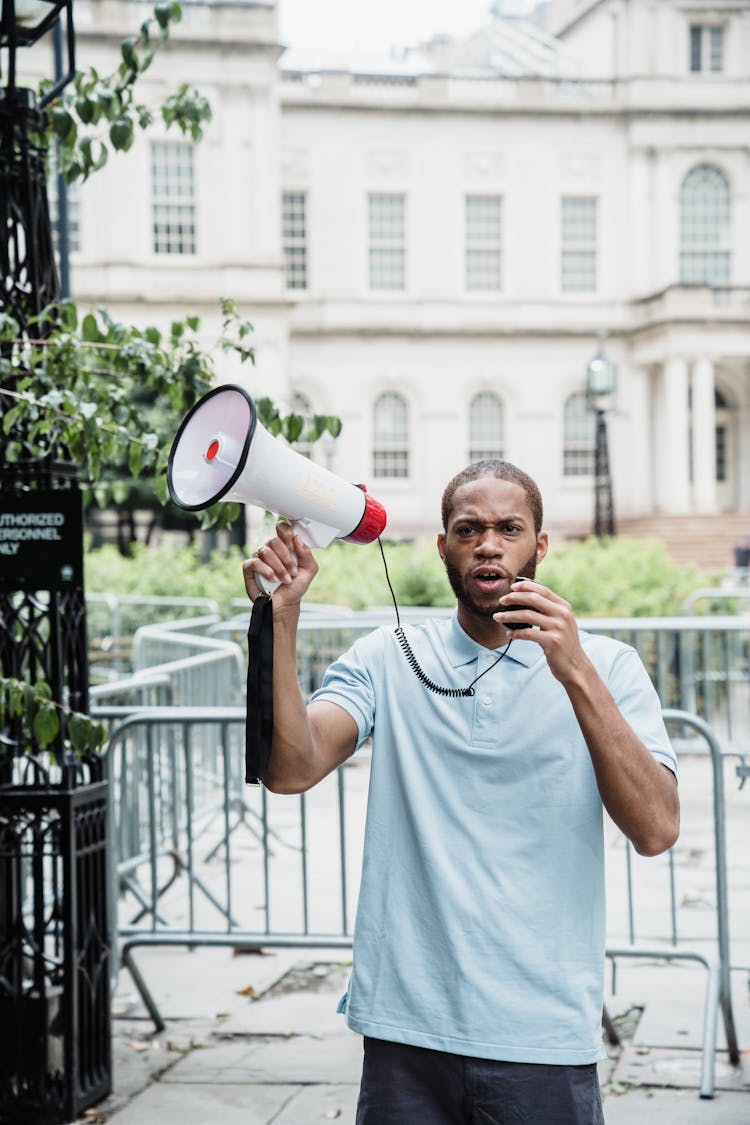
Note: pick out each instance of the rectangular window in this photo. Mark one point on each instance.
(578, 244)
(706, 49)
(173, 198)
(721, 454)
(579, 437)
(390, 463)
(294, 238)
(387, 242)
(483, 242)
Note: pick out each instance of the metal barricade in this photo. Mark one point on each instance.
(182, 818)
(697, 664)
(112, 620)
(210, 862)
(715, 954)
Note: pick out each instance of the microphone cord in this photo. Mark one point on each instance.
(419, 672)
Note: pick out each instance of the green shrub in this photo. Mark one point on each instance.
(617, 577)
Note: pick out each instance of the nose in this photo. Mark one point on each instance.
(490, 544)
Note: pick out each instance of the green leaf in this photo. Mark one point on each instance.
(87, 110)
(121, 134)
(333, 425)
(292, 427)
(90, 329)
(10, 417)
(108, 101)
(135, 458)
(63, 125)
(46, 725)
(69, 314)
(128, 51)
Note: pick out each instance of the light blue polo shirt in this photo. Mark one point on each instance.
(480, 925)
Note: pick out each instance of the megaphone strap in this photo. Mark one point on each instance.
(259, 720)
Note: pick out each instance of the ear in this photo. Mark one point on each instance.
(542, 543)
(441, 545)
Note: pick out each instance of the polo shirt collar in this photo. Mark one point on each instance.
(461, 649)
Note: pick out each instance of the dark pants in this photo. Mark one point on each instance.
(404, 1085)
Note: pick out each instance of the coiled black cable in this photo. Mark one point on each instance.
(419, 672)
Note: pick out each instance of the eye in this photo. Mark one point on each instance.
(511, 528)
(465, 530)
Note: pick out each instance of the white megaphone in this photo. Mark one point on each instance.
(222, 452)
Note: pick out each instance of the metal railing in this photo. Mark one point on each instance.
(112, 621)
(202, 670)
(715, 954)
(697, 664)
(202, 860)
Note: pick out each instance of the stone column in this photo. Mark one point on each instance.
(674, 462)
(704, 436)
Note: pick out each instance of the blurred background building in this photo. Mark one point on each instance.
(433, 243)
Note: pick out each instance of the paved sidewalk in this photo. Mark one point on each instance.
(254, 1039)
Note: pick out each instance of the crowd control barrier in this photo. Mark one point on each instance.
(200, 859)
(676, 947)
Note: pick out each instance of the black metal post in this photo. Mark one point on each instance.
(63, 226)
(55, 945)
(604, 513)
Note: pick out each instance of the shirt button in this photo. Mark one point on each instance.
(486, 700)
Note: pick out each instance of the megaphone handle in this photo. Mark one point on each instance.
(313, 533)
(266, 585)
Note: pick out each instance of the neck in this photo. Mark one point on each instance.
(484, 630)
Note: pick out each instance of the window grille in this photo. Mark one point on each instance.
(390, 452)
(578, 244)
(579, 436)
(706, 49)
(173, 198)
(387, 245)
(483, 242)
(705, 227)
(294, 238)
(486, 425)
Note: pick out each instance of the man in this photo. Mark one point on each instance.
(479, 946)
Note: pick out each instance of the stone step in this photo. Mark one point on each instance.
(707, 542)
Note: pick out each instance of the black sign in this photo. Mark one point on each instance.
(41, 540)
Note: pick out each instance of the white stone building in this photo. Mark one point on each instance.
(431, 244)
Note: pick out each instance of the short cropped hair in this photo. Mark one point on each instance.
(501, 470)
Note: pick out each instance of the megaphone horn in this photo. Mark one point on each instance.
(222, 453)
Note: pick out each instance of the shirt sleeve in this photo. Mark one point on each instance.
(639, 704)
(348, 682)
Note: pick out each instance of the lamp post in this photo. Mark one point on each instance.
(601, 380)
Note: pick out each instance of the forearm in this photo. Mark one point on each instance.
(291, 765)
(637, 791)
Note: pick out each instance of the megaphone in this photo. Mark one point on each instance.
(222, 452)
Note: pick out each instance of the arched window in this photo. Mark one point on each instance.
(486, 429)
(705, 227)
(579, 437)
(301, 405)
(390, 449)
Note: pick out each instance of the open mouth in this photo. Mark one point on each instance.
(488, 581)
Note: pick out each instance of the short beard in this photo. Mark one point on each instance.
(528, 570)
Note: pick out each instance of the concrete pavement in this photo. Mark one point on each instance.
(254, 1039)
